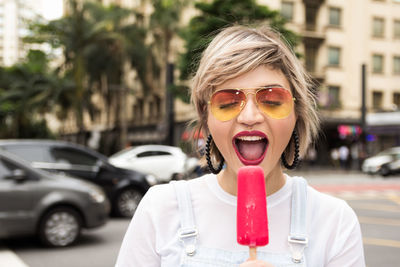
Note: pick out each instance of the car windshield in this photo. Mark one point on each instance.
(122, 152)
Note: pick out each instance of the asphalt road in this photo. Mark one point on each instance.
(375, 200)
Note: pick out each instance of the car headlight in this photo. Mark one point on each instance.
(151, 179)
(96, 195)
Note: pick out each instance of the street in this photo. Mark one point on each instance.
(375, 200)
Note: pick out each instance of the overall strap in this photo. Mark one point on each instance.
(188, 231)
(298, 236)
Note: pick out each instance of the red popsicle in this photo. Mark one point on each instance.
(251, 220)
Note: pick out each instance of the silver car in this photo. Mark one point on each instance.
(54, 207)
(384, 163)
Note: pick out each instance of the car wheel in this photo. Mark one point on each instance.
(60, 227)
(127, 202)
(384, 170)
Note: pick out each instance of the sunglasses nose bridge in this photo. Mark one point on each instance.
(250, 112)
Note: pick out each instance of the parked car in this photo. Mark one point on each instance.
(124, 188)
(164, 162)
(384, 163)
(53, 206)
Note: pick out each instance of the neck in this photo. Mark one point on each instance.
(274, 180)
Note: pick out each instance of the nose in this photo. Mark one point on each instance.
(250, 114)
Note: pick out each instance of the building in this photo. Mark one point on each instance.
(13, 27)
(340, 36)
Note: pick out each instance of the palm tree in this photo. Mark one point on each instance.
(77, 34)
(165, 22)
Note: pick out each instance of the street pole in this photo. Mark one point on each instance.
(170, 104)
(363, 97)
(363, 111)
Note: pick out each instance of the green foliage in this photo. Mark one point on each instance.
(27, 91)
(219, 14)
(96, 41)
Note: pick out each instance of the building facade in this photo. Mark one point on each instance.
(339, 37)
(13, 28)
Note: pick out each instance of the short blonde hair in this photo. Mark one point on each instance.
(237, 50)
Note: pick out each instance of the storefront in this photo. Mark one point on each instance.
(382, 131)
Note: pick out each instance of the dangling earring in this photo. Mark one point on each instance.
(296, 153)
(208, 157)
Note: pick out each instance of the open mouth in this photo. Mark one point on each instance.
(250, 147)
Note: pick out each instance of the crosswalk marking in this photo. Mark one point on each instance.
(379, 221)
(378, 207)
(10, 259)
(381, 242)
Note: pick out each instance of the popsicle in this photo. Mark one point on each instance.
(251, 218)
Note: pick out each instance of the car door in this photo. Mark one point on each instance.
(74, 162)
(16, 205)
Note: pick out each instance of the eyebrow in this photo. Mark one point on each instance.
(273, 85)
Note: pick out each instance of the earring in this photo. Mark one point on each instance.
(208, 157)
(296, 153)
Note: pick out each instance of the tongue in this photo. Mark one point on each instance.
(251, 150)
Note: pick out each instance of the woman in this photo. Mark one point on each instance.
(254, 103)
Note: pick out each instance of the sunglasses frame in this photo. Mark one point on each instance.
(243, 90)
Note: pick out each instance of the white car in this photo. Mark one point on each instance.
(164, 162)
(383, 163)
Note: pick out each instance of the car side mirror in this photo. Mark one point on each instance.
(18, 175)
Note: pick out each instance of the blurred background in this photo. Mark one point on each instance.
(101, 80)
(110, 74)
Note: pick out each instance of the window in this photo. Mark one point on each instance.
(153, 153)
(396, 29)
(377, 63)
(396, 65)
(311, 57)
(333, 56)
(334, 16)
(30, 153)
(396, 99)
(378, 27)
(5, 169)
(377, 98)
(287, 10)
(334, 96)
(311, 16)
(72, 156)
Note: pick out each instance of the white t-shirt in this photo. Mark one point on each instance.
(333, 229)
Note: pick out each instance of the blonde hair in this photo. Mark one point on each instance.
(237, 50)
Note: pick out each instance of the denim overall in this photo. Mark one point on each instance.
(196, 256)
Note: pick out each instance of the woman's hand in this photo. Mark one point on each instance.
(255, 263)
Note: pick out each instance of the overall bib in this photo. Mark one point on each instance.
(197, 256)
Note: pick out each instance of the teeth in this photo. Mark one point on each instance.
(250, 138)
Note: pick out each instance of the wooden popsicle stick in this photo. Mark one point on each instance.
(253, 253)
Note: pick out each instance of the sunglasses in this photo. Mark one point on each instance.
(275, 102)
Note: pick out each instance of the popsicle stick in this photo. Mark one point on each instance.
(253, 253)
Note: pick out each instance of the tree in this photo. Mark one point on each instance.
(165, 22)
(77, 33)
(107, 59)
(27, 92)
(215, 16)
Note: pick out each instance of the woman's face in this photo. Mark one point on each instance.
(252, 137)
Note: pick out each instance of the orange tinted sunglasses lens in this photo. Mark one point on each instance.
(275, 102)
(227, 104)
